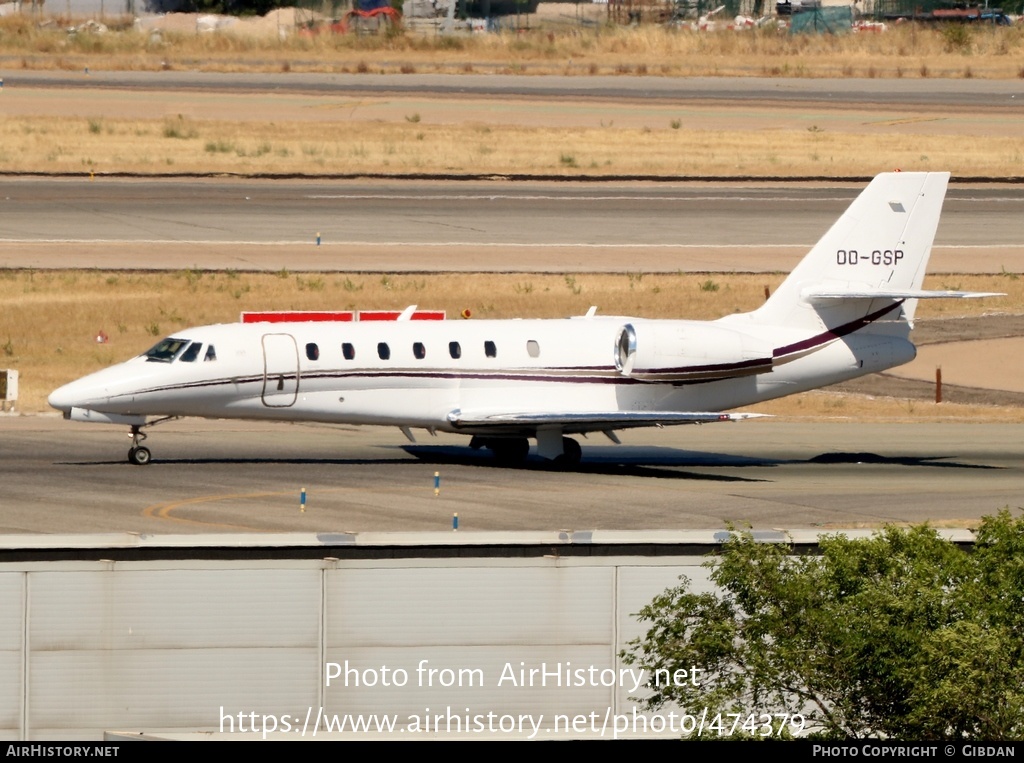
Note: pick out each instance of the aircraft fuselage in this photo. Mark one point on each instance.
(415, 373)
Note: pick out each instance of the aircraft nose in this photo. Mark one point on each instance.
(81, 393)
(64, 398)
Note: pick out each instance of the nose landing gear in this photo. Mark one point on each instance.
(138, 454)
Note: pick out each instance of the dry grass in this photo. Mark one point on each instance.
(905, 51)
(155, 132)
(411, 144)
(51, 319)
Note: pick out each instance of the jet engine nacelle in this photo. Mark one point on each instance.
(680, 351)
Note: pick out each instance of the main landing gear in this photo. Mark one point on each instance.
(511, 451)
(564, 452)
(572, 453)
(508, 451)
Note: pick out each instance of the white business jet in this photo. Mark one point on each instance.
(846, 311)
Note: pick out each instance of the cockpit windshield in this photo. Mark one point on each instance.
(165, 350)
(191, 353)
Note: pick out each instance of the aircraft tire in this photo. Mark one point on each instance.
(510, 450)
(139, 456)
(572, 453)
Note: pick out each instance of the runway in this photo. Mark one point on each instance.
(245, 477)
(956, 93)
(464, 226)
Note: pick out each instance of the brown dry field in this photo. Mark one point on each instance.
(94, 130)
(157, 132)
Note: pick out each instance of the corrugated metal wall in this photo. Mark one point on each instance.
(87, 647)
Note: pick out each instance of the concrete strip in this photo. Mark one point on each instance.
(504, 258)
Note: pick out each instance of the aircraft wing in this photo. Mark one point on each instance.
(588, 421)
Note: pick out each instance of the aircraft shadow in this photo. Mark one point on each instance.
(660, 463)
(457, 456)
(941, 462)
(666, 462)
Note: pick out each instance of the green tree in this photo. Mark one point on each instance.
(903, 635)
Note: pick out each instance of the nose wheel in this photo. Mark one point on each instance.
(138, 454)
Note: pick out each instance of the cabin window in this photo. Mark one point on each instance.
(348, 351)
(490, 349)
(419, 351)
(312, 351)
(455, 350)
(211, 354)
(533, 348)
(383, 351)
(191, 353)
(165, 350)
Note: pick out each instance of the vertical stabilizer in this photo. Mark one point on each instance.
(881, 244)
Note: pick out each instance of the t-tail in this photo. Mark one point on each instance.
(866, 272)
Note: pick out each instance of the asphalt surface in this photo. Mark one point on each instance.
(235, 476)
(431, 226)
(952, 93)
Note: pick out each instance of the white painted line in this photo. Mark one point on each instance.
(436, 244)
(638, 198)
(509, 197)
(431, 244)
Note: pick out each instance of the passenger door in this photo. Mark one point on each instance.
(280, 370)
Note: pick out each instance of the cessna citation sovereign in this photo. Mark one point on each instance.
(845, 311)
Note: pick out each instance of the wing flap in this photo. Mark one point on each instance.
(589, 421)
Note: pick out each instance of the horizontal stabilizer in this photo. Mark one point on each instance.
(812, 295)
(591, 421)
